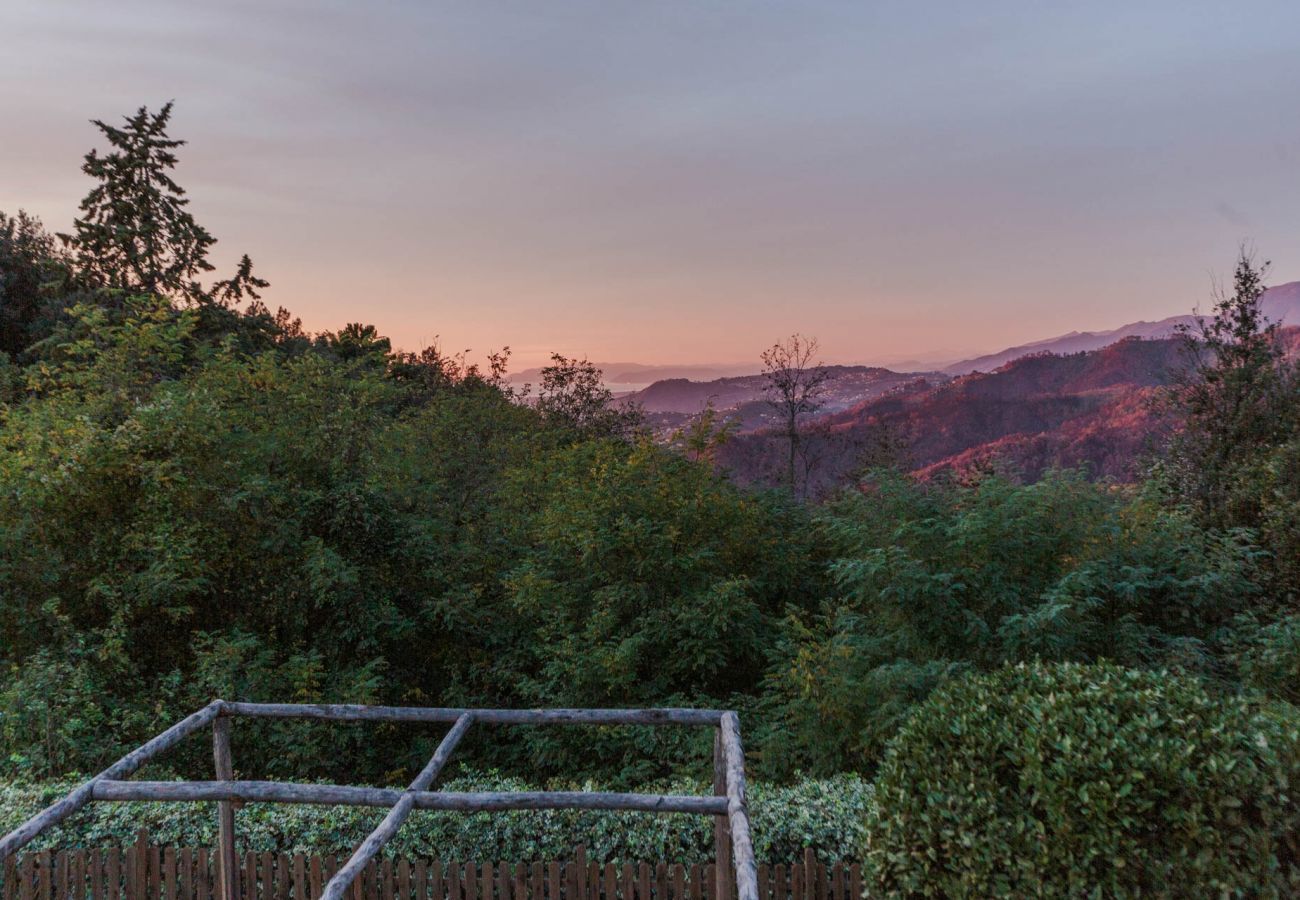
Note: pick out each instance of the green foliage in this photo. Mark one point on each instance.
(935, 580)
(158, 509)
(1238, 401)
(572, 397)
(181, 519)
(32, 272)
(642, 578)
(1235, 460)
(705, 433)
(1268, 655)
(1088, 780)
(828, 816)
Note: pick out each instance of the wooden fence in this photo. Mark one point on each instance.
(147, 872)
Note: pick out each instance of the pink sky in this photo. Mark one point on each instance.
(688, 182)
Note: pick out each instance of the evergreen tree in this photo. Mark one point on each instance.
(135, 234)
(244, 284)
(1237, 401)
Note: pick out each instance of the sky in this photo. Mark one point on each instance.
(688, 181)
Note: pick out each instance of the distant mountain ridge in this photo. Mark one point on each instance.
(642, 373)
(1041, 410)
(1037, 411)
(672, 400)
(1280, 304)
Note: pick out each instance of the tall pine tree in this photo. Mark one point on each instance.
(135, 233)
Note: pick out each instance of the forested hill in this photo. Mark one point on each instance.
(673, 401)
(1093, 409)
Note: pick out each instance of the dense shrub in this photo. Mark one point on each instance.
(1088, 780)
(1267, 655)
(827, 815)
(937, 579)
(181, 521)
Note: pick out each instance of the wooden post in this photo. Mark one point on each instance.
(742, 846)
(227, 860)
(721, 825)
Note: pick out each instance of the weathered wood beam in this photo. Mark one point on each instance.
(721, 824)
(342, 795)
(489, 801)
(59, 810)
(247, 791)
(742, 846)
(352, 712)
(397, 815)
(224, 766)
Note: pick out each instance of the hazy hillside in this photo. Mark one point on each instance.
(673, 400)
(1033, 413)
(625, 376)
(1279, 304)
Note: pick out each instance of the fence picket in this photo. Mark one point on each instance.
(113, 887)
(11, 880)
(314, 875)
(62, 876)
(205, 878)
(143, 871)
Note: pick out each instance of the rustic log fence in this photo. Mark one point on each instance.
(735, 874)
(190, 873)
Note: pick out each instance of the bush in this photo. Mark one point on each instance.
(827, 815)
(1268, 655)
(939, 578)
(1088, 780)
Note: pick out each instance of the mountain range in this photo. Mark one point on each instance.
(680, 391)
(1092, 408)
(1279, 304)
(673, 401)
(1082, 399)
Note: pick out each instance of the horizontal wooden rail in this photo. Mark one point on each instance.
(728, 805)
(354, 713)
(345, 795)
(250, 791)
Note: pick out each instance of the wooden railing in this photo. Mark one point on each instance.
(736, 868)
(145, 871)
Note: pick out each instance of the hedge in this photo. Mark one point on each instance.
(1088, 780)
(828, 815)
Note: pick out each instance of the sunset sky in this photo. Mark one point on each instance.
(686, 182)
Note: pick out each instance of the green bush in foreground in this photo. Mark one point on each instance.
(1088, 780)
(828, 815)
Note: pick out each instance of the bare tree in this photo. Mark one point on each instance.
(795, 386)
